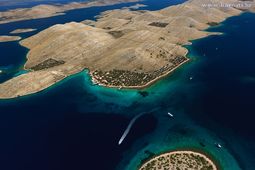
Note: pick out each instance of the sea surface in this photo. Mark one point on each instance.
(77, 125)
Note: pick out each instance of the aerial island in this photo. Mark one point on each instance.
(122, 48)
(136, 6)
(6, 38)
(180, 160)
(44, 11)
(24, 30)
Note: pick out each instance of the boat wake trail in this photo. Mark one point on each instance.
(131, 124)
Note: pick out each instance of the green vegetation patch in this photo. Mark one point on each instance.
(116, 34)
(179, 161)
(126, 78)
(47, 64)
(158, 24)
(213, 23)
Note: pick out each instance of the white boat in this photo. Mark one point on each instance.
(171, 115)
(124, 135)
(190, 78)
(218, 145)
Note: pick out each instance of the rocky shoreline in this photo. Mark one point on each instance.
(128, 79)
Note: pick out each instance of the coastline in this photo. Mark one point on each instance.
(98, 84)
(52, 86)
(94, 81)
(196, 152)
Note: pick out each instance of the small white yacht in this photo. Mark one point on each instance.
(218, 145)
(171, 115)
(190, 78)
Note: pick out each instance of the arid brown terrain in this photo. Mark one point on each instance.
(6, 38)
(123, 48)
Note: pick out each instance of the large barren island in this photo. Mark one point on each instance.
(180, 160)
(123, 48)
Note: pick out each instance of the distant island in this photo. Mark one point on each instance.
(180, 160)
(122, 49)
(136, 6)
(6, 38)
(44, 11)
(17, 31)
(18, 2)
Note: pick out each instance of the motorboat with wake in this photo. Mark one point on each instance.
(170, 114)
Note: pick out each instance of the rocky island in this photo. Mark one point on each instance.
(18, 31)
(123, 48)
(44, 11)
(6, 38)
(136, 6)
(180, 160)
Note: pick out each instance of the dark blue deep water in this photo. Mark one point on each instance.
(75, 125)
(228, 73)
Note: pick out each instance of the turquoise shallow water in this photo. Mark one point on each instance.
(68, 124)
